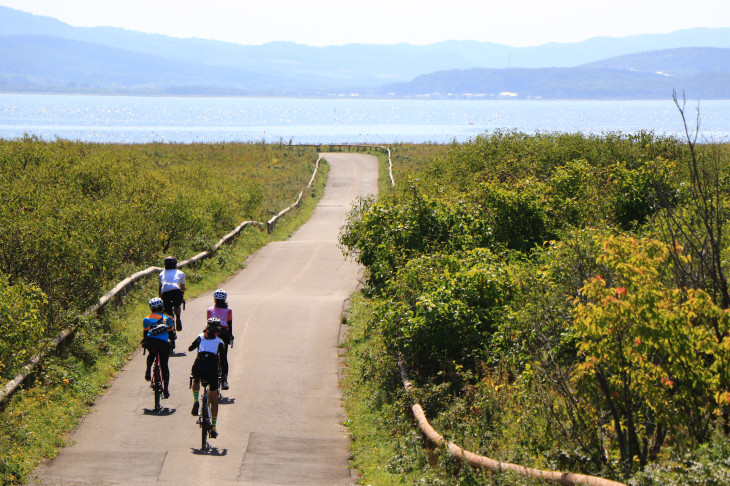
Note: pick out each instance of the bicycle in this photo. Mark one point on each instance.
(156, 382)
(204, 415)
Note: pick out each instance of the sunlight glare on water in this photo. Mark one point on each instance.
(129, 119)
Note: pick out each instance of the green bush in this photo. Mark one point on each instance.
(443, 310)
(24, 309)
(482, 269)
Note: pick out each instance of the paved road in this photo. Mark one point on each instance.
(281, 421)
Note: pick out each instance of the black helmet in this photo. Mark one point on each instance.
(170, 263)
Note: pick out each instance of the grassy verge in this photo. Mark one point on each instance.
(387, 445)
(385, 448)
(36, 420)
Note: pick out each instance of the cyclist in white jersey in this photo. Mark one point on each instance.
(172, 289)
(209, 347)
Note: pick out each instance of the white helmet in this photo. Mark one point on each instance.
(220, 294)
(156, 303)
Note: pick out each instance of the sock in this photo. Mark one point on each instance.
(195, 396)
(213, 421)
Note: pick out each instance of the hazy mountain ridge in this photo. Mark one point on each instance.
(43, 54)
(699, 73)
(685, 61)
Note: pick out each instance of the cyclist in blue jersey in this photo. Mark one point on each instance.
(158, 327)
(210, 347)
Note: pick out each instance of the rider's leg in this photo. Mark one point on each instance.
(151, 353)
(196, 394)
(178, 322)
(213, 397)
(164, 359)
(224, 368)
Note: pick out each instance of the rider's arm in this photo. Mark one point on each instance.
(195, 344)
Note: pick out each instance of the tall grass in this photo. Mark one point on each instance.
(79, 217)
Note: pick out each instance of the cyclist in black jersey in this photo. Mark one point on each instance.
(210, 347)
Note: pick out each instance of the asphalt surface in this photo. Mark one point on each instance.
(280, 423)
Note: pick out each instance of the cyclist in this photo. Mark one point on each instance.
(221, 310)
(209, 347)
(158, 328)
(172, 289)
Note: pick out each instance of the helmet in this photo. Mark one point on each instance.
(170, 262)
(214, 324)
(220, 294)
(156, 303)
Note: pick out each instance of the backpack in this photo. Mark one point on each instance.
(158, 327)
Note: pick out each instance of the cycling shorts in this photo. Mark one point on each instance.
(172, 298)
(208, 371)
(156, 345)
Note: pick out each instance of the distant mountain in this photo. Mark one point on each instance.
(687, 61)
(700, 73)
(43, 54)
(28, 62)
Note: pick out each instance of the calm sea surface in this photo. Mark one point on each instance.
(128, 119)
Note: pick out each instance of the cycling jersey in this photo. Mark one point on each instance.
(206, 345)
(225, 314)
(157, 325)
(171, 279)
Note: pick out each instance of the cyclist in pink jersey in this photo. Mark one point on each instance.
(221, 311)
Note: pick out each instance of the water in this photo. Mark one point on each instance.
(128, 119)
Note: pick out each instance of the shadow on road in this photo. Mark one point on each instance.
(213, 451)
(163, 413)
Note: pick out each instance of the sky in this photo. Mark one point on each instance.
(336, 22)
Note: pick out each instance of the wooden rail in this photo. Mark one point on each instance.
(475, 460)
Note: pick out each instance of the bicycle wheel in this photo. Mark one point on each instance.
(157, 385)
(204, 422)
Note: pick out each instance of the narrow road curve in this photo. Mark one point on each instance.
(281, 421)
